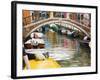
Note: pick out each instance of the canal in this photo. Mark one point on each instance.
(67, 51)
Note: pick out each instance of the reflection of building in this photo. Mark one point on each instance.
(52, 37)
(33, 16)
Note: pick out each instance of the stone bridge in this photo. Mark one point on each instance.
(28, 29)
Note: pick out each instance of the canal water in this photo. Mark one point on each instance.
(67, 51)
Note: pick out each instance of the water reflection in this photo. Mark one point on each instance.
(67, 51)
(57, 40)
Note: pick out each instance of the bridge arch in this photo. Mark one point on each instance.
(39, 24)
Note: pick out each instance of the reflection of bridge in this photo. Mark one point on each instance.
(33, 26)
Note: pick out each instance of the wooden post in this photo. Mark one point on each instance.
(26, 62)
